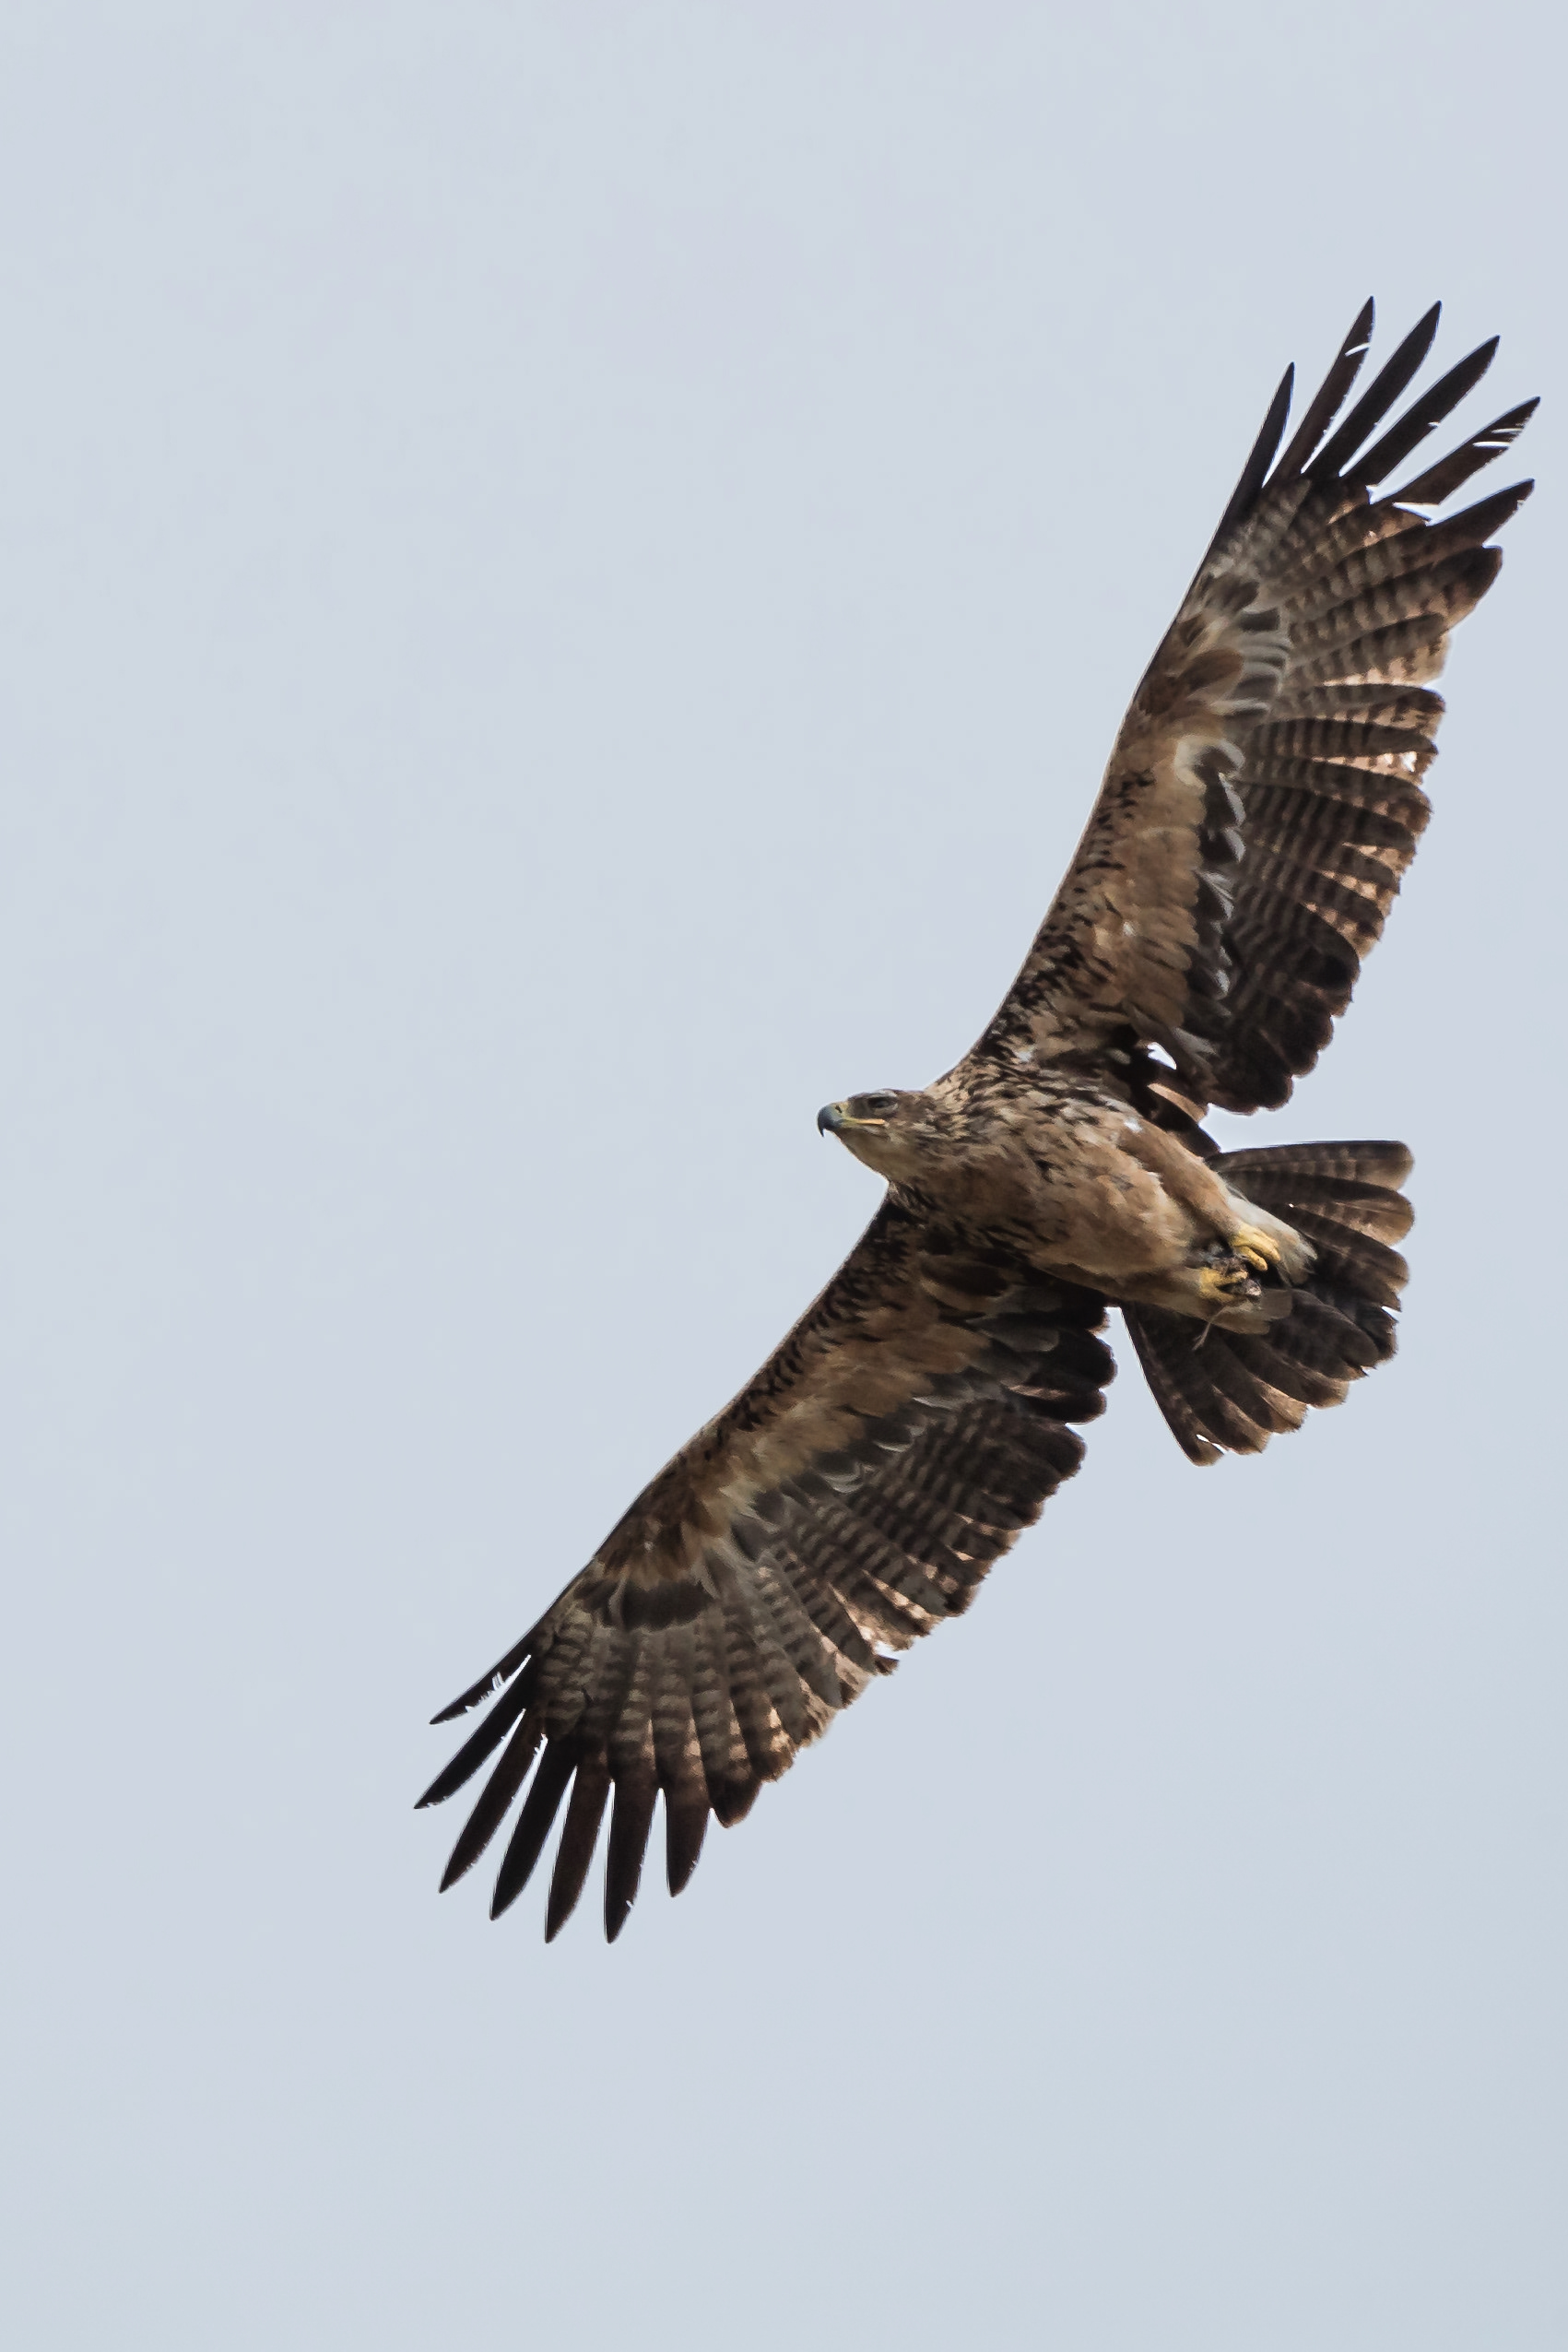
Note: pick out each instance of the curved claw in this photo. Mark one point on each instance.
(1261, 1252)
(1225, 1284)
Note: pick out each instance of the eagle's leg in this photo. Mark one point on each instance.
(1264, 1244)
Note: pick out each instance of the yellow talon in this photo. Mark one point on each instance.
(1223, 1284)
(1256, 1248)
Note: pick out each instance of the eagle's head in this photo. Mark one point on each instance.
(893, 1131)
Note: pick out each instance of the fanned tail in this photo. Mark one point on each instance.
(1231, 1391)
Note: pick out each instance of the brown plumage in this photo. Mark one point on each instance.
(1262, 802)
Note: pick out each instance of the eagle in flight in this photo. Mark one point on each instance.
(1262, 802)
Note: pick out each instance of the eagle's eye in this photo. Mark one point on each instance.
(878, 1106)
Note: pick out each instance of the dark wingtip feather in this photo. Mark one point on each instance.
(1330, 395)
(1479, 523)
(1440, 481)
(487, 1684)
(630, 1824)
(578, 1838)
(1255, 473)
(685, 1825)
(488, 1736)
(732, 1799)
(1424, 415)
(534, 1823)
(494, 1799)
(1377, 399)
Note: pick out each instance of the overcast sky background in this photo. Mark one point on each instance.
(567, 574)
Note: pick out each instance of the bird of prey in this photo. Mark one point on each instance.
(1262, 802)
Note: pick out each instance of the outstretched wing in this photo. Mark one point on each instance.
(851, 1498)
(1264, 796)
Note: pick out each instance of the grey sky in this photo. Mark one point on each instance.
(567, 575)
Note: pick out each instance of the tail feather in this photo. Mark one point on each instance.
(1282, 1167)
(1231, 1391)
(1351, 1260)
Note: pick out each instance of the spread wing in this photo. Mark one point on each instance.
(851, 1498)
(1264, 796)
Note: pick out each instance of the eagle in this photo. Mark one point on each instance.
(1262, 799)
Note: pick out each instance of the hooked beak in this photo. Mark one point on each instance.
(833, 1117)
